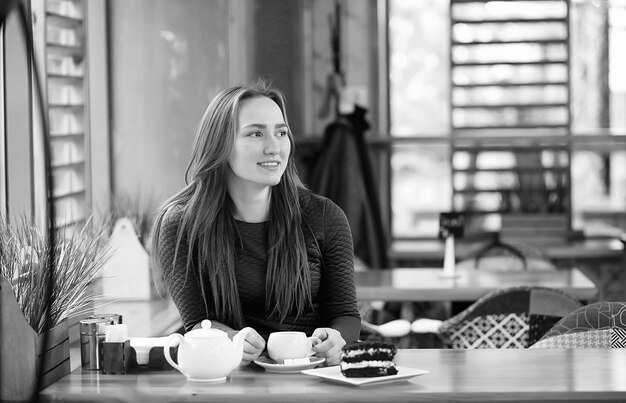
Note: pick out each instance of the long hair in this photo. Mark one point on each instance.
(208, 225)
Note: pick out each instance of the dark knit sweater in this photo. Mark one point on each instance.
(330, 255)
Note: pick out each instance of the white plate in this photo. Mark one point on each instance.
(334, 374)
(271, 365)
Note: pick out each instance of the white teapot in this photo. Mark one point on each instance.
(206, 355)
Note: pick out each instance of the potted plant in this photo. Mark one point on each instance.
(27, 314)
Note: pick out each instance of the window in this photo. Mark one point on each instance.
(64, 56)
(77, 100)
(508, 107)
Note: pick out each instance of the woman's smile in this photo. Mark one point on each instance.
(269, 164)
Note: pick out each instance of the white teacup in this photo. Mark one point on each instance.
(283, 346)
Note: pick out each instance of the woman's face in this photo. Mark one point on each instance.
(261, 149)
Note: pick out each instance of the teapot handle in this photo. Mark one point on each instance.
(166, 350)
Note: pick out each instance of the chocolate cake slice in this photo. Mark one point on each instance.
(368, 359)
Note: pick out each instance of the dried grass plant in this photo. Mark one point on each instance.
(80, 255)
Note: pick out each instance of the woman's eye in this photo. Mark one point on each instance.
(281, 133)
(256, 133)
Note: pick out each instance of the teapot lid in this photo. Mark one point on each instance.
(205, 331)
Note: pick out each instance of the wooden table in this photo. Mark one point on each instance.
(427, 284)
(576, 375)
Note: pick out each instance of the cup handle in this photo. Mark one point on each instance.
(166, 350)
(313, 341)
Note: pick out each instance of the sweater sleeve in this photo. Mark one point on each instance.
(339, 303)
(181, 282)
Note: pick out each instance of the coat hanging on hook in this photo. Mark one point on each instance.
(343, 173)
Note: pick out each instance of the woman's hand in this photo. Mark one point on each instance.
(330, 347)
(253, 346)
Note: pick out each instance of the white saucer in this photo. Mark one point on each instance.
(334, 374)
(271, 365)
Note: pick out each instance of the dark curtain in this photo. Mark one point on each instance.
(343, 173)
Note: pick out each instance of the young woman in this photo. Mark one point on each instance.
(245, 243)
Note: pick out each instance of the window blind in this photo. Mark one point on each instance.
(66, 85)
(510, 78)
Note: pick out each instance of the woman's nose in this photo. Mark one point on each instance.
(271, 145)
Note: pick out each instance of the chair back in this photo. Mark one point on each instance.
(514, 317)
(597, 325)
(505, 263)
(505, 256)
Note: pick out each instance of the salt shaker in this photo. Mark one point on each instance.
(92, 334)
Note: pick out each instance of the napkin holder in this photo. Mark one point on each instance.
(116, 358)
(121, 358)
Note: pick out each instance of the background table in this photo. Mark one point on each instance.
(522, 375)
(410, 251)
(427, 284)
(601, 260)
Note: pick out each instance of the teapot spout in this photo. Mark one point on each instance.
(238, 341)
